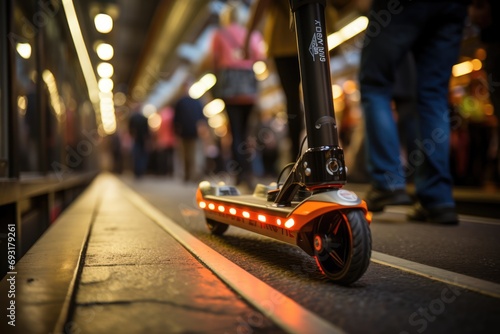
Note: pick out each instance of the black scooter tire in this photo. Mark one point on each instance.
(216, 228)
(342, 245)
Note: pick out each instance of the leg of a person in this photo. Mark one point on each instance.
(190, 152)
(405, 100)
(436, 52)
(144, 159)
(140, 157)
(183, 152)
(161, 167)
(384, 48)
(289, 73)
(136, 159)
(407, 121)
(169, 156)
(238, 121)
(179, 157)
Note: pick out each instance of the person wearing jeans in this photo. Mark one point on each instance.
(432, 32)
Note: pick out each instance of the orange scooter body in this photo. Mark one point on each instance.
(255, 213)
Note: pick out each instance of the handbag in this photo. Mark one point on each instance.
(234, 82)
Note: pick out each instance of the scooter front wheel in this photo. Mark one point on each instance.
(216, 228)
(342, 245)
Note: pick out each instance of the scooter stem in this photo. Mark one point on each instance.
(314, 61)
(322, 165)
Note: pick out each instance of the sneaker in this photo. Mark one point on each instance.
(446, 215)
(377, 199)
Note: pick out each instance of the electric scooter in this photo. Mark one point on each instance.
(310, 210)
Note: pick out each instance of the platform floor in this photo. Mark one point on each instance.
(134, 277)
(107, 266)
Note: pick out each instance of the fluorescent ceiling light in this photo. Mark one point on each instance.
(81, 50)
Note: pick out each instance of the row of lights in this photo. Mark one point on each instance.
(245, 214)
(100, 92)
(104, 25)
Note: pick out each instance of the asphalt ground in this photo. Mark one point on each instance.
(386, 299)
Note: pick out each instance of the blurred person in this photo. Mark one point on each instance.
(212, 151)
(166, 142)
(115, 145)
(282, 49)
(188, 118)
(140, 134)
(486, 15)
(403, 104)
(227, 52)
(432, 31)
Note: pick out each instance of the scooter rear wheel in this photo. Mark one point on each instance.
(342, 245)
(216, 228)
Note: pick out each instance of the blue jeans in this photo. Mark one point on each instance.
(432, 31)
(140, 158)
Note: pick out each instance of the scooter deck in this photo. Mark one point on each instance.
(255, 213)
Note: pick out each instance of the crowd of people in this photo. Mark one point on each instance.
(404, 67)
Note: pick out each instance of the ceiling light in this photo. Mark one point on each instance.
(336, 91)
(202, 86)
(105, 70)
(103, 23)
(24, 50)
(259, 67)
(149, 109)
(120, 99)
(213, 108)
(154, 121)
(105, 51)
(216, 121)
(476, 64)
(208, 80)
(105, 85)
(462, 68)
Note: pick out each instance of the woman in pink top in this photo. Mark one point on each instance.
(227, 51)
